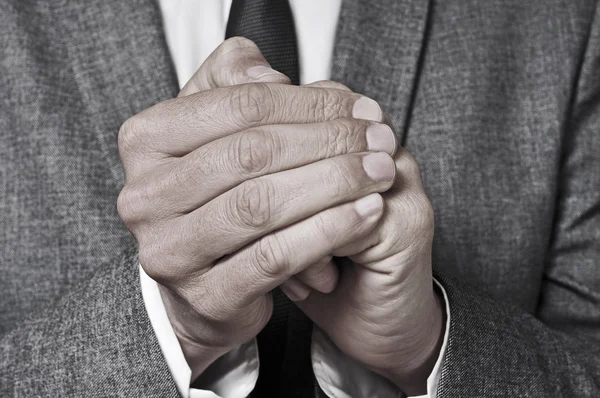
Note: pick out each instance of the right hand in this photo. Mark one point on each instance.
(232, 191)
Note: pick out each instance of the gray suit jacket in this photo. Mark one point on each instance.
(498, 100)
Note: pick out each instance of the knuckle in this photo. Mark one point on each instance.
(328, 104)
(342, 137)
(136, 140)
(129, 207)
(269, 259)
(124, 205)
(253, 204)
(130, 135)
(252, 103)
(254, 151)
(140, 203)
(165, 260)
(150, 262)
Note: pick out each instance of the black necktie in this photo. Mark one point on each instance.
(284, 344)
(269, 24)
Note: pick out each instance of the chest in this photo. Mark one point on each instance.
(476, 95)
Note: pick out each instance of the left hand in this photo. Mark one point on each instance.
(384, 312)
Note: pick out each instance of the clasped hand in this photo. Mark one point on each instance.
(245, 183)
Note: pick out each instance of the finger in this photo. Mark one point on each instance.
(260, 206)
(339, 86)
(322, 276)
(267, 263)
(295, 289)
(408, 221)
(408, 203)
(354, 248)
(178, 126)
(225, 163)
(237, 60)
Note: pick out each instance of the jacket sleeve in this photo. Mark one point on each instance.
(87, 333)
(97, 341)
(496, 350)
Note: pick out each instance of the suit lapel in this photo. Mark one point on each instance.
(120, 62)
(377, 52)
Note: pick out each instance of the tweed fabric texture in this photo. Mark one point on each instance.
(498, 101)
(72, 317)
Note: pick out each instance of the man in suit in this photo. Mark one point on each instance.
(498, 104)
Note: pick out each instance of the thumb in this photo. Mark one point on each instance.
(236, 61)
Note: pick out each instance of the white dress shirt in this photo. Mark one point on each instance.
(193, 29)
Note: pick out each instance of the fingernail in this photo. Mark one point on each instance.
(257, 72)
(368, 109)
(295, 290)
(369, 205)
(379, 166)
(380, 137)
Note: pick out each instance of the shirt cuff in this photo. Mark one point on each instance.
(233, 375)
(342, 377)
